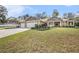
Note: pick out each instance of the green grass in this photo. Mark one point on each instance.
(1, 28)
(6, 27)
(53, 40)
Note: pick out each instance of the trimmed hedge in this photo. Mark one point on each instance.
(40, 27)
(77, 24)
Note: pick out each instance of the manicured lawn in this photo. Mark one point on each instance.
(1, 28)
(53, 40)
(6, 27)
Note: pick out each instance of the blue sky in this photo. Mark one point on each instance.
(17, 10)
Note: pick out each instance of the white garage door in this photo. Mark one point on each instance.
(22, 25)
(30, 25)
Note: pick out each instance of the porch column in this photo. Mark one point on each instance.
(73, 23)
(25, 24)
(53, 23)
(67, 24)
(60, 23)
(48, 24)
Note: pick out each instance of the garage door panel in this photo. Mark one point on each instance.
(31, 25)
(22, 25)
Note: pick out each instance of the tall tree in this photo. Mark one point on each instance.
(38, 15)
(71, 15)
(65, 15)
(3, 13)
(55, 13)
(25, 16)
(19, 17)
(43, 15)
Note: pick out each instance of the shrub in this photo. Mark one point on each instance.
(41, 27)
(33, 28)
(77, 24)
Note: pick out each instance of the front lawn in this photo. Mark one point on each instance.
(1, 28)
(6, 27)
(52, 40)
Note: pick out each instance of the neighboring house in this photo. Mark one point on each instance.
(11, 21)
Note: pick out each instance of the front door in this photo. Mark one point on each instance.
(56, 24)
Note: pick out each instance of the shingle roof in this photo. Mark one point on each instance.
(55, 19)
(31, 18)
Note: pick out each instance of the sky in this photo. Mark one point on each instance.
(19, 10)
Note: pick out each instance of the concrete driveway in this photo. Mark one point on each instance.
(7, 32)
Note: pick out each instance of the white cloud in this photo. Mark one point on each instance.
(16, 10)
(68, 5)
(39, 2)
